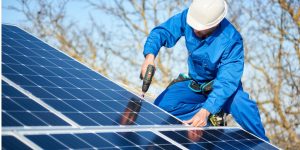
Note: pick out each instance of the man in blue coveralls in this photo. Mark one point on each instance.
(215, 52)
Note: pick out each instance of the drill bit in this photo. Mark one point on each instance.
(143, 94)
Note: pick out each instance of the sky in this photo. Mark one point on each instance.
(8, 16)
(76, 9)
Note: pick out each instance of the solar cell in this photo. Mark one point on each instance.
(19, 110)
(69, 86)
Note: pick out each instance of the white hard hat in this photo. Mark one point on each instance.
(205, 14)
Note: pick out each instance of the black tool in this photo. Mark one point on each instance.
(218, 119)
(147, 78)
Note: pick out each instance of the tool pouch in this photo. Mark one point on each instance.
(181, 77)
(204, 88)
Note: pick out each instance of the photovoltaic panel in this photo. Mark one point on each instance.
(231, 138)
(12, 143)
(194, 139)
(103, 140)
(19, 110)
(79, 93)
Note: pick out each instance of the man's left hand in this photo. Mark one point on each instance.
(200, 119)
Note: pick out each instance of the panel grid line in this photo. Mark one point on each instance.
(26, 141)
(69, 129)
(103, 139)
(12, 118)
(27, 111)
(235, 140)
(170, 140)
(251, 140)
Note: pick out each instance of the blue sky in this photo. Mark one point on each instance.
(9, 16)
(75, 9)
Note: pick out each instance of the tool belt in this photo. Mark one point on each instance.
(205, 88)
(181, 77)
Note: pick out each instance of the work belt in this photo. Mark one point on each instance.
(205, 88)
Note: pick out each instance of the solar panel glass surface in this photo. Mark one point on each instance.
(12, 143)
(19, 110)
(104, 140)
(79, 93)
(231, 138)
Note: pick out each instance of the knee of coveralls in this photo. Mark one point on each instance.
(180, 101)
(246, 113)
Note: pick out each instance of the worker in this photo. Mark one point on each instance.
(215, 52)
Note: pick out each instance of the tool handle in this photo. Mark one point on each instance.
(148, 78)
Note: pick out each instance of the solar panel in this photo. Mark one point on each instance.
(71, 88)
(51, 101)
(176, 138)
(12, 143)
(19, 110)
(227, 138)
(103, 140)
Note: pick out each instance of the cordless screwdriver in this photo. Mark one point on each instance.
(147, 78)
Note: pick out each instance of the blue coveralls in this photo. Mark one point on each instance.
(220, 56)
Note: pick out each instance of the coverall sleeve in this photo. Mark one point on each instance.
(228, 77)
(166, 34)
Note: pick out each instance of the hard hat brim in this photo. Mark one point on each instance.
(195, 24)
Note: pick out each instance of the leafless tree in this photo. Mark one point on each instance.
(136, 19)
(271, 31)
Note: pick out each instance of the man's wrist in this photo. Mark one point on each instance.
(150, 56)
(207, 113)
(211, 109)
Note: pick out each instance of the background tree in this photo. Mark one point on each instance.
(271, 32)
(270, 29)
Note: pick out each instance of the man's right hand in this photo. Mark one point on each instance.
(149, 60)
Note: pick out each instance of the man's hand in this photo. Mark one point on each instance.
(149, 60)
(200, 119)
